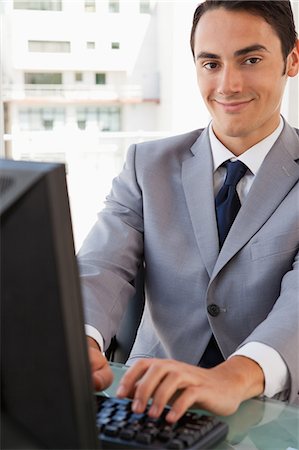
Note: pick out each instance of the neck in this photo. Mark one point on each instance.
(240, 144)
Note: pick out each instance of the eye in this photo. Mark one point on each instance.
(252, 61)
(210, 65)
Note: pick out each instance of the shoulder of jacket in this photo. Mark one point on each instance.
(185, 139)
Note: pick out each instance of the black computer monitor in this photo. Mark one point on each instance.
(46, 393)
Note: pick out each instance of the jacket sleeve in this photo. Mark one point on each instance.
(280, 329)
(112, 252)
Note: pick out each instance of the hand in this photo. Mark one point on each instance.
(249, 415)
(220, 389)
(101, 372)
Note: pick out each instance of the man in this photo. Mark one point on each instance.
(222, 300)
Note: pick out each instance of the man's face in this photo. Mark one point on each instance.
(240, 67)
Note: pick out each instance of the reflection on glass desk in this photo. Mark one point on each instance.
(258, 424)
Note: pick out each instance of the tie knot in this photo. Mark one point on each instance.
(235, 171)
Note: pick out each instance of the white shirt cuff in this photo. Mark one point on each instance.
(275, 369)
(94, 334)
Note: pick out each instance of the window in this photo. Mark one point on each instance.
(100, 78)
(37, 119)
(115, 45)
(41, 5)
(90, 6)
(90, 45)
(49, 46)
(114, 7)
(42, 78)
(145, 7)
(78, 76)
(104, 118)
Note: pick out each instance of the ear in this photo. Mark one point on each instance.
(293, 61)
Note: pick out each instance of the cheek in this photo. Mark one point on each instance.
(199, 81)
(271, 94)
(265, 85)
(205, 86)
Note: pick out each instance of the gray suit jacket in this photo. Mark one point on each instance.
(161, 208)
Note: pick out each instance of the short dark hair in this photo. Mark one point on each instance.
(278, 13)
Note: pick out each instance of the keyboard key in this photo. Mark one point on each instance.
(111, 430)
(120, 427)
(187, 439)
(176, 444)
(144, 438)
(127, 434)
(165, 435)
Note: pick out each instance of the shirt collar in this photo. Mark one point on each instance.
(253, 157)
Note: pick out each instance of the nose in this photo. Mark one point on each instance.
(230, 81)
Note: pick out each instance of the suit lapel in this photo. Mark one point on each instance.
(276, 177)
(197, 180)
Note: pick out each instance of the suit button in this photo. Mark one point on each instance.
(213, 310)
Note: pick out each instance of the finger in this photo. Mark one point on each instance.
(127, 384)
(164, 393)
(148, 384)
(179, 377)
(184, 401)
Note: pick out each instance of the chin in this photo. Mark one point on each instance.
(234, 131)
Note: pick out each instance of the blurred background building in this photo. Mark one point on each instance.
(82, 79)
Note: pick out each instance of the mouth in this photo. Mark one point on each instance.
(233, 107)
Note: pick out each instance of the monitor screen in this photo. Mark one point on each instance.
(46, 393)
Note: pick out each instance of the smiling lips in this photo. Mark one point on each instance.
(232, 107)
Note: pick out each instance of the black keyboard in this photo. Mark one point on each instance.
(120, 427)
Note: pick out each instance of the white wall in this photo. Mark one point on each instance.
(290, 105)
(182, 108)
(185, 106)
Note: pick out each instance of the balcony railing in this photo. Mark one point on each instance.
(109, 93)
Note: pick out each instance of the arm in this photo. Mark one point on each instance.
(108, 262)
(220, 389)
(111, 254)
(275, 370)
(280, 331)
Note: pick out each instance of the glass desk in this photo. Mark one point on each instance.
(258, 424)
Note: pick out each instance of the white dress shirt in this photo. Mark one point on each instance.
(273, 366)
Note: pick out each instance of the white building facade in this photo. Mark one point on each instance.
(82, 79)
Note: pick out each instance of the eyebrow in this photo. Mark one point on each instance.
(241, 52)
